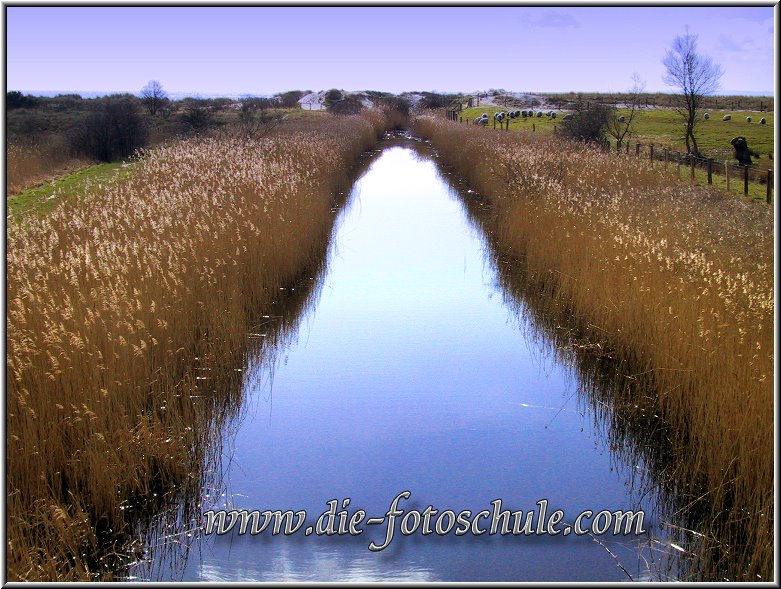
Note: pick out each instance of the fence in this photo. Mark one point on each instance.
(732, 173)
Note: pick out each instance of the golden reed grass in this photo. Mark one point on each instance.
(120, 303)
(28, 164)
(676, 280)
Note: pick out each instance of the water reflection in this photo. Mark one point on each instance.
(413, 374)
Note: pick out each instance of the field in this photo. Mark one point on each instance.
(627, 258)
(662, 128)
(120, 301)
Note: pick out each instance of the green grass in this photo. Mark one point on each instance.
(541, 124)
(44, 197)
(663, 127)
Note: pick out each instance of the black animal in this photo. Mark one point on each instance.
(743, 152)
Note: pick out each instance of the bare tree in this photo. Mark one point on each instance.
(619, 126)
(154, 96)
(696, 76)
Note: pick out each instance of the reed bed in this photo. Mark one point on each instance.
(31, 163)
(675, 282)
(131, 309)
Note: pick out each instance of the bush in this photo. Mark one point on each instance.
(114, 131)
(15, 99)
(347, 106)
(588, 123)
(290, 99)
(197, 119)
(434, 100)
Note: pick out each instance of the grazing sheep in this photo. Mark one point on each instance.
(539, 114)
(622, 119)
(484, 115)
(706, 116)
(748, 119)
(511, 114)
(726, 118)
(523, 113)
(553, 115)
(483, 120)
(499, 116)
(762, 121)
(567, 117)
(530, 113)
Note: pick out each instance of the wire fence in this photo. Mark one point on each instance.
(733, 176)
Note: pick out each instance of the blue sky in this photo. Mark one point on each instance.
(263, 50)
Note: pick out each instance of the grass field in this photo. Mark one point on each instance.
(663, 128)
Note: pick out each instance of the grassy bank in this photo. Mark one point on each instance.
(127, 306)
(42, 198)
(675, 281)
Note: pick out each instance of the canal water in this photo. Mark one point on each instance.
(410, 373)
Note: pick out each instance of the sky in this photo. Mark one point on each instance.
(264, 50)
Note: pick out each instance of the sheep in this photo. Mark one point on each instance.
(499, 116)
(622, 119)
(762, 121)
(539, 114)
(484, 115)
(531, 113)
(567, 117)
(511, 114)
(706, 116)
(553, 115)
(726, 118)
(483, 120)
(748, 119)
(524, 113)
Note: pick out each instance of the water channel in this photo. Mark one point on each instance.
(410, 373)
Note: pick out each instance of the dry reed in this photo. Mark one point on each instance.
(31, 163)
(675, 280)
(125, 308)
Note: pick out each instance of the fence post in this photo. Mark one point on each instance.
(710, 171)
(534, 128)
(726, 172)
(745, 180)
(651, 152)
(692, 163)
(769, 186)
(637, 149)
(627, 147)
(679, 163)
(665, 158)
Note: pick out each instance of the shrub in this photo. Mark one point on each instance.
(588, 124)
(15, 99)
(347, 106)
(197, 119)
(290, 99)
(114, 131)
